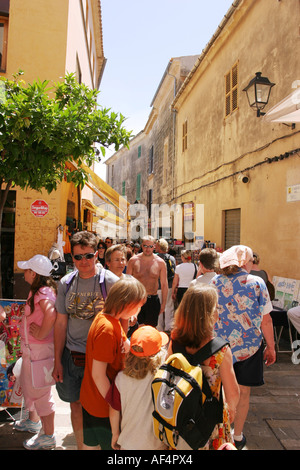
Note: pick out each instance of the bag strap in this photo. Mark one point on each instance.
(209, 349)
(101, 282)
(25, 332)
(70, 280)
(196, 270)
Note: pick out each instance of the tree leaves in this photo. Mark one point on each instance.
(43, 127)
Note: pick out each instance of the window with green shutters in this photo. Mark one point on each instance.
(139, 151)
(123, 188)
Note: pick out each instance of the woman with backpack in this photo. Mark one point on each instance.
(194, 328)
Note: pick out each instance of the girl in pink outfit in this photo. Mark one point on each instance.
(40, 316)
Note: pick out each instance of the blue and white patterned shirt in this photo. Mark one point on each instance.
(243, 300)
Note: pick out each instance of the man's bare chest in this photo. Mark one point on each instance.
(147, 269)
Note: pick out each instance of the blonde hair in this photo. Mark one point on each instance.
(127, 291)
(148, 238)
(138, 367)
(186, 254)
(163, 244)
(194, 319)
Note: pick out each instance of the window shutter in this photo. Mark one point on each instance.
(151, 166)
(234, 87)
(231, 90)
(232, 227)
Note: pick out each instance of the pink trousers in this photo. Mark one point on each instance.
(39, 400)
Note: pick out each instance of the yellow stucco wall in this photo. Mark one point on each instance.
(37, 234)
(37, 37)
(37, 42)
(219, 147)
(47, 39)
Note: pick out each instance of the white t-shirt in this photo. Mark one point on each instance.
(204, 279)
(137, 423)
(186, 273)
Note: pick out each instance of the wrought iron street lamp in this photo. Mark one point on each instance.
(258, 92)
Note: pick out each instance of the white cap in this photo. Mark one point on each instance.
(39, 264)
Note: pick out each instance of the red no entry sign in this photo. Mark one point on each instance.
(39, 208)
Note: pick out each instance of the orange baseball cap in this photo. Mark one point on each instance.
(149, 339)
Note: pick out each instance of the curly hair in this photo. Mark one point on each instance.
(84, 239)
(138, 367)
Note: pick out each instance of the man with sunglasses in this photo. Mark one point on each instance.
(149, 268)
(80, 297)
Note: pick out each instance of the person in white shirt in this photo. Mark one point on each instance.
(184, 274)
(130, 395)
(208, 266)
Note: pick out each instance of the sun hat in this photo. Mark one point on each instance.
(40, 264)
(237, 255)
(149, 340)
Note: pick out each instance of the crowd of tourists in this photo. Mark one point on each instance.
(115, 319)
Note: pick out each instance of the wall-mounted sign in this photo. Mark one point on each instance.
(293, 193)
(39, 208)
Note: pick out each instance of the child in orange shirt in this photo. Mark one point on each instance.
(105, 354)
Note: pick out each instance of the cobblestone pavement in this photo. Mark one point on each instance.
(273, 421)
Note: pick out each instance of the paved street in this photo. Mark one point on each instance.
(273, 421)
(13, 440)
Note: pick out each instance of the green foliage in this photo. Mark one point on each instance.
(43, 127)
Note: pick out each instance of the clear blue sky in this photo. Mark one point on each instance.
(139, 39)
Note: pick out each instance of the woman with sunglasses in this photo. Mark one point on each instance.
(101, 252)
(79, 299)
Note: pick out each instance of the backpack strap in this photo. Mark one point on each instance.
(70, 280)
(204, 353)
(209, 349)
(101, 282)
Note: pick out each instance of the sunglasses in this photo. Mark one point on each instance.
(148, 246)
(86, 256)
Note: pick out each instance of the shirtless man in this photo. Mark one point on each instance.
(148, 268)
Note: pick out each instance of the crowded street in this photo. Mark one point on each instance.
(273, 421)
(149, 228)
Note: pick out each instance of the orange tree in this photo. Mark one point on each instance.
(43, 127)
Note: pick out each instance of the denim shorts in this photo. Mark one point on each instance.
(69, 389)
